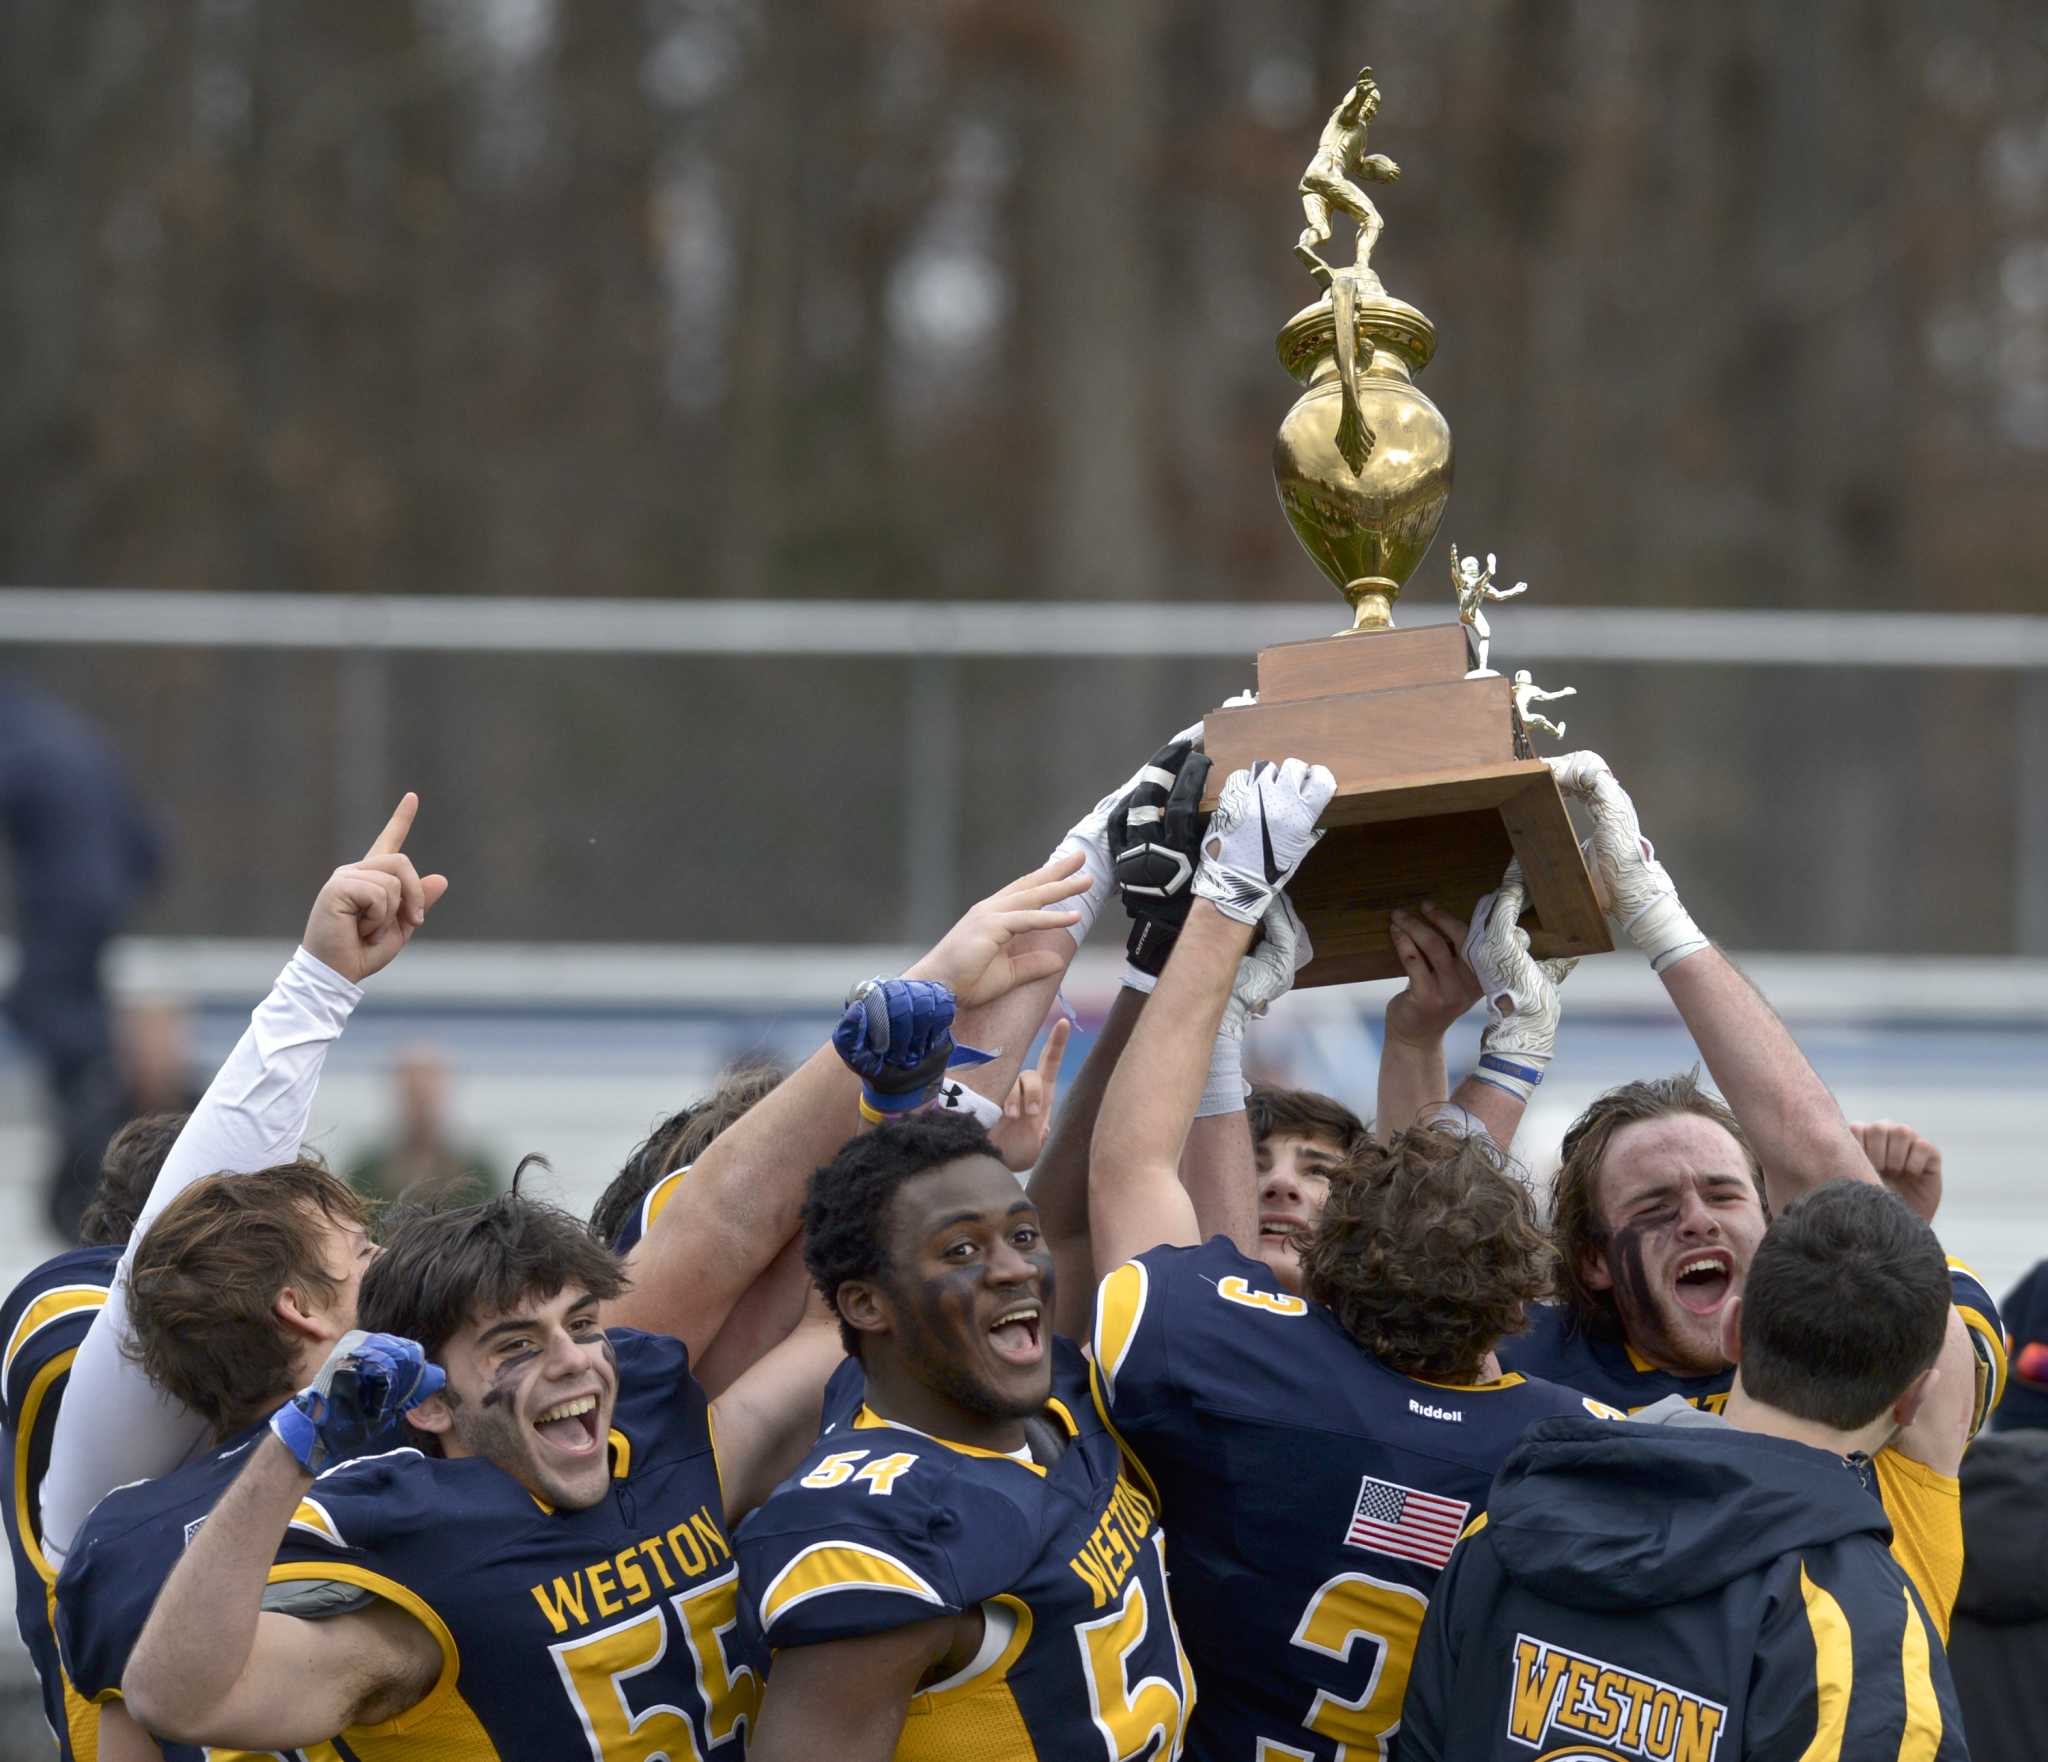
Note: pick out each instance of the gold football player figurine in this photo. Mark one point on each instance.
(1528, 692)
(1327, 182)
(1474, 587)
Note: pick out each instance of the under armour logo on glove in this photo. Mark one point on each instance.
(1155, 840)
(367, 1384)
(1263, 828)
(896, 1035)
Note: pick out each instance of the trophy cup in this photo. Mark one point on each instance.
(1437, 783)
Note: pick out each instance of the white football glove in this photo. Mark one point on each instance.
(1263, 826)
(1642, 901)
(1267, 973)
(1522, 1004)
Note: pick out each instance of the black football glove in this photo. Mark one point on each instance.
(1155, 843)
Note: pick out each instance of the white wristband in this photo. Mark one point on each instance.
(1134, 980)
(956, 1097)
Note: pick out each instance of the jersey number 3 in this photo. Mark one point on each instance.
(1354, 1606)
(597, 1669)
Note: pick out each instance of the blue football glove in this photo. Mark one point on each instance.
(896, 1035)
(367, 1383)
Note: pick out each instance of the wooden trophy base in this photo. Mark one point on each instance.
(1436, 789)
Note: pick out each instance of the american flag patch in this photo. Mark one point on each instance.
(1397, 1520)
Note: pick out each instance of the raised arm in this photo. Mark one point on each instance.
(744, 1197)
(114, 1426)
(1441, 987)
(1792, 1121)
(212, 1666)
(1262, 828)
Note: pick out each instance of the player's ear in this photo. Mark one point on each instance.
(1731, 1329)
(1593, 1269)
(301, 1318)
(1915, 1394)
(432, 1415)
(864, 1307)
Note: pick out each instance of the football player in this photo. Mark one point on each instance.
(42, 1322)
(228, 1296)
(965, 1566)
(1314, 1456)
(1717, 1588)
(1665, 1190)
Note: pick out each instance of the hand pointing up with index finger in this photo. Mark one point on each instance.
(368, 910)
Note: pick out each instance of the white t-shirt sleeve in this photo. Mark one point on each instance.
(115, 1426)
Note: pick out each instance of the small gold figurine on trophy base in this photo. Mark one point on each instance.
(1437, 784)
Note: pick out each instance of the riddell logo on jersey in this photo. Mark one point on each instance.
(1427, 1410)
(1573, 1696)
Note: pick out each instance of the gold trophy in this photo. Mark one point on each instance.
(1437, 784)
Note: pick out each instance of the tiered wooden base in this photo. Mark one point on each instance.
(1436, 789)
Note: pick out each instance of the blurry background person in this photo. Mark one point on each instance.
(423, 1160)
(85, 851)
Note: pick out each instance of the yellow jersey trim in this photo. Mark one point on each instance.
(24, 1432)
(1920, 1739)
(1472, 1528)
(1119, 1308)
(1991, 1363)
(347, 1573)
(1834, 1657)
(52, 1306)
(658, 1197)
(1508, 1380)
(840, 1566)
(316, 1518)
(867, 1419)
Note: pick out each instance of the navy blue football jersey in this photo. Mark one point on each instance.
(130, 1543)
(607, 1632)
(651, 1205)
(1312, 1495)
(882, 1526)
(43, 1322)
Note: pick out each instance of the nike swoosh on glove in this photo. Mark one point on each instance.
(1522, 1002)
(367, 1384)
(1642, 900)
(1263, 826)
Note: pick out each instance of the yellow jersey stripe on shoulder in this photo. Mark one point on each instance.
(1991, 1365)
(1119, 1307)
(24, 1446)
(1833, 1671)
(1920, 1741)
(316, 1520)
(659, 1195)
(52, 1306)
(1472, 1528)
(824, 1567)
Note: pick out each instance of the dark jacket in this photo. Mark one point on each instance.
(1696, 1595)
(1998, 1644)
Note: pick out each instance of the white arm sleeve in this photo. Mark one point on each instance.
(115, 1426)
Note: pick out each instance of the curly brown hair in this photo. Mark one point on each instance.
(1578, 1227)
(1428, 1252)
(204, 1285)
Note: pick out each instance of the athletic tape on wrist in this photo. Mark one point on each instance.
(1515, 1078)
(1224, 1089)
